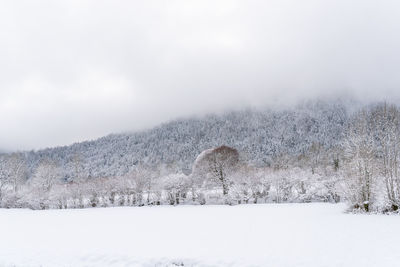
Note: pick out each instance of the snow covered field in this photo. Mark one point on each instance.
(246, 235)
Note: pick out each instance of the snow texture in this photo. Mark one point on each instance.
(246, 235)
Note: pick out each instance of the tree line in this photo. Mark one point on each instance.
(362, 169)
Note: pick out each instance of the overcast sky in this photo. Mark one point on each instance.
(78, 70)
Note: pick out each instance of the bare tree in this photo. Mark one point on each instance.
(219, 163)
(315, 153)
(17, 171)
(46, 175)
(360, 153)
(176, 187)
(4, 181)
(386, 127)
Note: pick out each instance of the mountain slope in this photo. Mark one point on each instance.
(260, 136)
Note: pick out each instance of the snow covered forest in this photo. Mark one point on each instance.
(318, 151)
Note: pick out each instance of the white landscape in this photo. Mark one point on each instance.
(302, 235)
(204, 133)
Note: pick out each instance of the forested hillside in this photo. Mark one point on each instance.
(316, 151)
(260, 136)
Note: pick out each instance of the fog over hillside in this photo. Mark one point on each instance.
(260, 135)
(79, 70)
(314, 151)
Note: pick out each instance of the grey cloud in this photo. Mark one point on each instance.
(77, 70)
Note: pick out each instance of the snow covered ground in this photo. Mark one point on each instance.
(247, 235)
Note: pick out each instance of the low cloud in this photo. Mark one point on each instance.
(78, 70)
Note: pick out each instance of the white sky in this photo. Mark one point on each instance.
(77, 70)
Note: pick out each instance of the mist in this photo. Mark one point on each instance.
(78, 70)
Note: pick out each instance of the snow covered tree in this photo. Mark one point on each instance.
(176, 187)
(218, 164)
(4, 179)
(16, 171)
(360, 153)
(46, 175)
(386, 131)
